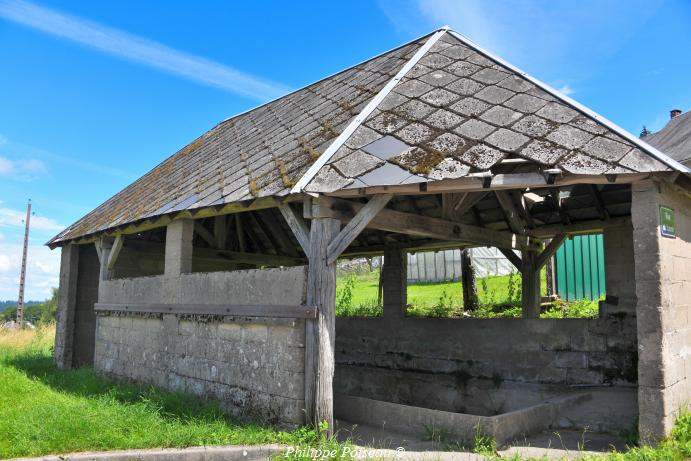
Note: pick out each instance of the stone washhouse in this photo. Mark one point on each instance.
(215, 273)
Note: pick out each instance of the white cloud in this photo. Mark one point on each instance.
(138, 49)
(566, 89)
(43, 269)
(15, 218)
(6, 166)
(21, 167)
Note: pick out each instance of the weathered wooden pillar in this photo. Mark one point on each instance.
(103, 247)
(395, 283)
(530, 286)
(470, 301)
(178, 259)
(67, 301)
(320, 339)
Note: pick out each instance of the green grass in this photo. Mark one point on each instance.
(43, 410)
(499, 296)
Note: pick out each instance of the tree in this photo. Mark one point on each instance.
(645, 132)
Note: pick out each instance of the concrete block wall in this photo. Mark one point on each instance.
(254, 367)
(663, 289)
(483, 366)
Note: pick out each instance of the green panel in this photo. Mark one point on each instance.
(580, 268)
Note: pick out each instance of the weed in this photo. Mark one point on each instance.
(484, 444)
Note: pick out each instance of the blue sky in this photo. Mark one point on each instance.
(94, 94)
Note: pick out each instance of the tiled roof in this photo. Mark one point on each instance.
(674, 139)
(260, 153)
(456, 111)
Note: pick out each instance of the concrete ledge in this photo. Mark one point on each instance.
(413, 420)
(225, 453)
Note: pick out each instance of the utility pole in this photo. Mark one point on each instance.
(22, 275)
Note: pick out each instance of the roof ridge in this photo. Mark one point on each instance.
(366, 111)
(650, 150)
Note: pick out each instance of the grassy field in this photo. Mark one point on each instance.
(499, 296)
(45, 411)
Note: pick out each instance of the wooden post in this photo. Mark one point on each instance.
(530, 275)
(470, 301)
(321, 332)
(178, 259)
(395, 282)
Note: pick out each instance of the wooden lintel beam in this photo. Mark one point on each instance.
(549, 250)
(356, 225)
(204, 233)
(467, 201)
(423, 226)
(297, 226)
(581, 227)
(499, 182)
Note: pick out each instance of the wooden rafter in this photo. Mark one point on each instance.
(297, 226)
(599, 202)
(510, 211)
(204, 233)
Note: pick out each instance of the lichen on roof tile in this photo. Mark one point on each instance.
(475, 129)
(578, 163)
(465, 86)
(439, 97)
(507, 140)
(435, 60)
(415, 133)
(534, 126)
(386, 122)
(327, 180)
(481, 156)
(557, 112)
(438, 78)
(494, 94)
(638, 161)
(525, 103)
(489, 76)
(418, 160)
(448, 143)
(412, 88)
(469, 106)
(415, 109)
(357, 163)
(361, 137)
(543, 152)
(501, 116)
(516, 83)
(569, 137)
(606, 149)
(449, 168)
(462, 68)
(443, 119)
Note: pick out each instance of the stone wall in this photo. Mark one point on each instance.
(253, 366)
(663, 289)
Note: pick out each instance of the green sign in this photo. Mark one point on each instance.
(667, 228)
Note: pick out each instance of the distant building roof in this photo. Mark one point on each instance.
(674, 139)
(436, 108)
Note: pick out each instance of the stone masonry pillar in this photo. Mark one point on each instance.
(67, 300)
(663, 284)
(395, 283)
(178, 259)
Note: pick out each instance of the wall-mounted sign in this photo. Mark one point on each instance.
(667, 228)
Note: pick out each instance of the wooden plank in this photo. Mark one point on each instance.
(423, 226)
(510, 211)
(321, 332)
(579, 227)
(512, 257)
(274, 311)
(549, 250)
(204, 233)
(115, 252)
(499, 182)
(356, 225)
(297, 225)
